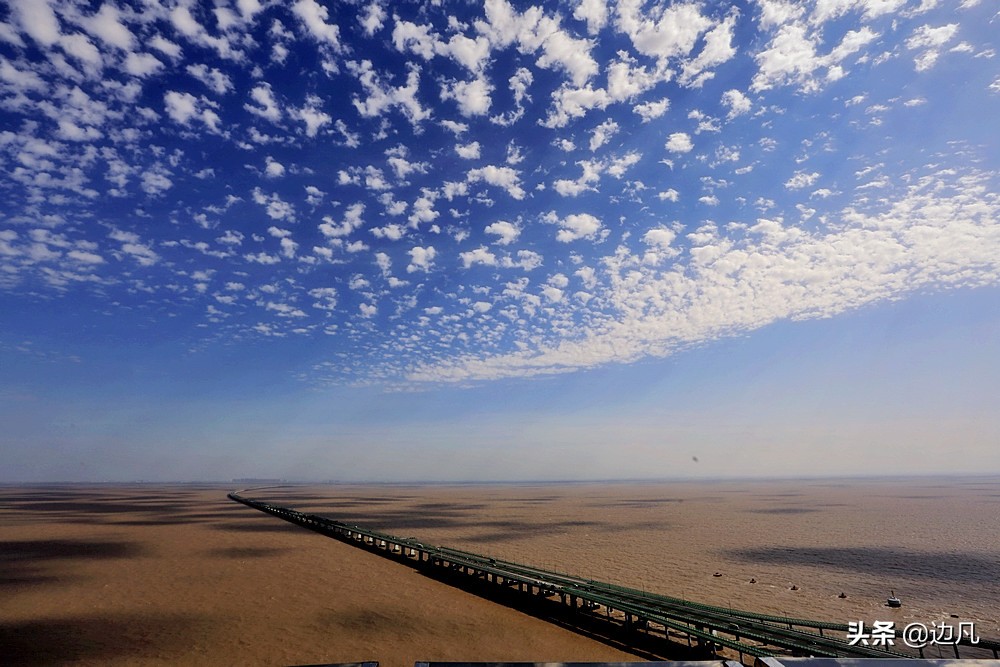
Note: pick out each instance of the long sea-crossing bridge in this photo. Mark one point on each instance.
(636, 618)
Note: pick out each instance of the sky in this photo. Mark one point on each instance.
(405, 241)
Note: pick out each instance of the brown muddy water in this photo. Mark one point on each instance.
(935, 542)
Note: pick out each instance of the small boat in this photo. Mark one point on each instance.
(893, 601)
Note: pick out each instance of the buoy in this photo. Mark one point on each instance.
(842, 595)
(794, 588)
(753, 580)
(893, 601)
(717, 574)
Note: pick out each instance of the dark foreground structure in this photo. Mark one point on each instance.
(650, 625)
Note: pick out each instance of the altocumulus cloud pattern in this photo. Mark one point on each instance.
(456, 192)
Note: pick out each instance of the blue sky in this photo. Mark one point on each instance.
(400, 241)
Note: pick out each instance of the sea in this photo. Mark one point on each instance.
(825, 549)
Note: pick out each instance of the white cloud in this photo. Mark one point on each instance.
(603, 133)
(931, 40)
(526, 259)
(423, 208)
(274, 169)
(801, 180)
(455, 127)
(679, 142)
(718, 49)
(569, 103)
(403, 167)
(38, 20)
(506, 232)
(421, 259)
(928, 236)
(314, 17)
(141, 64)
(155, 181)
(267, 106)
(660, 237)
(181, 107)
(275, 207)
(472, 97)
(519, 84)
(587, 181)
(594, 12)
(316, 120)
(591, 173)
(375, 179)
(620, 165)
(417, 39)
(25, 80)
(391, 231)
(452, 189)
(231, 237)
(926, 37)
(72, 132)
(382, 97)
(737, 103)
(651, 110)
(627, 79)
(668, 33)
(552, 294)
(325, 298)
(85, 257)
(215, 79)
(373, 19)
(478, 256)
(575, 226)
(81, 48)
(106, 25)
(504, 177)
(468, 151)
(791, 57)
(133, 246)
(352, 220)
(165, 46)
(472, 53)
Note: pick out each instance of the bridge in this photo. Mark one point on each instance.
(637, 618)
